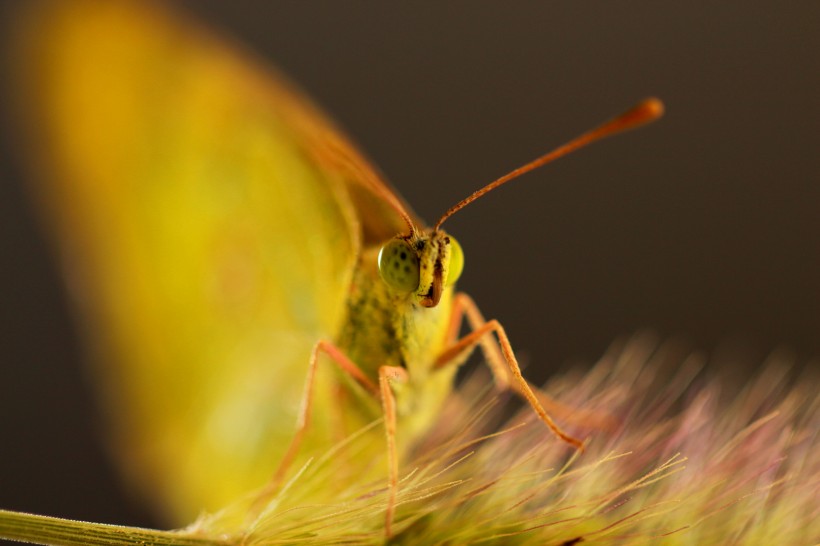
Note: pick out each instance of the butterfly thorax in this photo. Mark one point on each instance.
(388, 327)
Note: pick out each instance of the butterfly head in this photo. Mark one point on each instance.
(421, 264)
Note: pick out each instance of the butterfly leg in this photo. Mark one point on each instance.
(383, 391)
(464, 306)
(306, 408)
(386, 375)
(497, 353)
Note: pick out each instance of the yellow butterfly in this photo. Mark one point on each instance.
(255, 290)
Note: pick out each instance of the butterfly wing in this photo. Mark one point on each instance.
(210, 219)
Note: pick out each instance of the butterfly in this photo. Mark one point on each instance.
(254, 288)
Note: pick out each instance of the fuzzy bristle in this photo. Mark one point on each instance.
(685, 459)
(689, 463)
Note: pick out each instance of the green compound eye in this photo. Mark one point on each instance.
(399, 266)
(456, 262)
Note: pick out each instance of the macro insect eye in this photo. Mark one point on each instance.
(456, 261)
(399, 266)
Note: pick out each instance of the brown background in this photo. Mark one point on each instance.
(704, 225)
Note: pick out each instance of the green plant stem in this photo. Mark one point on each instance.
(52, 531)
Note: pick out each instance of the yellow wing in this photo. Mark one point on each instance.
(210, 219)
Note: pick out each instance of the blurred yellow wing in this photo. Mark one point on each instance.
(210, 219)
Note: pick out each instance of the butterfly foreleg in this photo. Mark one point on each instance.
(499, 354)
(306, 408)
(386, 375)
(464, 306)
(383, 391)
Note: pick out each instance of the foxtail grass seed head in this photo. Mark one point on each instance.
(676, 456)
(685, 459)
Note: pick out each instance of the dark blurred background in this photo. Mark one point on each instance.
(703, 226)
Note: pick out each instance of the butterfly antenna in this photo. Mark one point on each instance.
(646, 111)
(382, 191)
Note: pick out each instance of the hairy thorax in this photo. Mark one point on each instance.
(384, 327)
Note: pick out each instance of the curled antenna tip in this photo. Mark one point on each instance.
(655, 106)
(646, 111)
